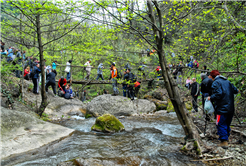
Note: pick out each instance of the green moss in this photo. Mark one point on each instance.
(198, 150)
(183, 148)
(88, 116)
(96, 127)
(107, 123)
(170, 107)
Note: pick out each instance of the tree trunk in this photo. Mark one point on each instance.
(171, 86)
(44, 102)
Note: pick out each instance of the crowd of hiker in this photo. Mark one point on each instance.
(217, 99)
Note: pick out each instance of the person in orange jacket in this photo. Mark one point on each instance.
(113, 71)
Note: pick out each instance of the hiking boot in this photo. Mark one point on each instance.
(224, 144)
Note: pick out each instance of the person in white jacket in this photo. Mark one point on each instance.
(88, 69)
(67, 69)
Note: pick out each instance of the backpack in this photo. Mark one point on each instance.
(67, 95)
(119, 75)
(32, 73)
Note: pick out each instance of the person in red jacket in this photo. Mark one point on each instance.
(136, 88)
(62, 83)
(27, 73)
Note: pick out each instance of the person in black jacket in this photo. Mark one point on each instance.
(194, 93)
(128, 80)
(51, 81)
(206, 87)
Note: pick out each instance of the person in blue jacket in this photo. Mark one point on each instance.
(35, 78)
(223, 99)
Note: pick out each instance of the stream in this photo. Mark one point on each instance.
(147, 140)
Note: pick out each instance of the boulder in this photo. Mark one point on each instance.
(160, 105)
(62, 108)
(108, 123)
(21, 132)
(118, 106)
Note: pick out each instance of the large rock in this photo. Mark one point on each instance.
(118, 105)
(21, 132)
(62, 108)
(108, 123)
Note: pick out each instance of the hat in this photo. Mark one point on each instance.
(113, 64)
(62, 77)
(214, 73)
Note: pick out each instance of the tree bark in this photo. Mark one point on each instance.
(44, 102)
(171, 86)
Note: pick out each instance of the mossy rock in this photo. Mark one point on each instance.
(108, 123)
(160, 105)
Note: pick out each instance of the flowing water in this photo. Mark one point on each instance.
(149, 140)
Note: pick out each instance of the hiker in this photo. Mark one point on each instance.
(130, 79)
(10, 54)
(223, 99)
(68, 92)
(36, 71)
(113, 72)
(88, 69)
(141, 70)
(49, 68)
(99, 71)
(3, 53)
(175, 71)
(206, 72)
(195, 65)
(2, 45)
(62, 83)
(104, 92)
(54, 65)
(188, 82)
(84, 96)
(170, 66)
(205, 87)
(136, 88)
(24, 54)
(18, 62)
(194, 94)
(158, 71)
(51, 81)
(67, 69)
(179, 73)
(27, 73)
